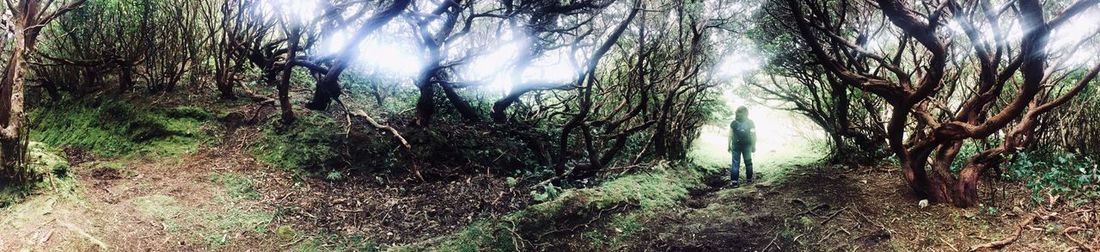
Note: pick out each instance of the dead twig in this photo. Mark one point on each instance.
(1008, 240)
(375, 124)
(832, 216)
(815, 208)
(771, 242)
(949, 244)
(1079, 243)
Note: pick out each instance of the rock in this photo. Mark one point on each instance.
(923, 203)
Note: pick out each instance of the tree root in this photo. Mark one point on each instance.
(1004, 242)
(1079, 243)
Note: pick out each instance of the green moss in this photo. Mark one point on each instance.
(619, 230)
(236, 186)
(334, 242)
(661, 186)
(116, 128)
(47, 167)
(306, 144)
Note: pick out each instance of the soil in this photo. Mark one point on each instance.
(833, 208)
(103, 211)
(818, 208)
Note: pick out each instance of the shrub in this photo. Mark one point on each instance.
(1062, 173)
(308, 144)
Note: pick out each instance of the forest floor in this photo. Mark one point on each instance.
(219, 198)
(837, 208)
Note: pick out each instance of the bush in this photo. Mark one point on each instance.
(1062, 173)
(308, 144)
(43, 161)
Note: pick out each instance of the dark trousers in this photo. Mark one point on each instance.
(735, 172)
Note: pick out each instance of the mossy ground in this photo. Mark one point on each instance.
(115, 129)
(305, 146)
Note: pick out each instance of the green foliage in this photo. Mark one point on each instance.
(549, 192)
(215, 228)
(45, 163)
(662, 186)
(308, 144)
(236, 186)
(1062, 173)
(116, 128)
(968, 149)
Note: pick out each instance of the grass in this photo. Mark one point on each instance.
(215, 227)
(46, 163)
(305, 145)
(116, 128)
(236, 186)
(334, 242)
(664, 185)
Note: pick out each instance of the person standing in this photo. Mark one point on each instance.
(741, 145)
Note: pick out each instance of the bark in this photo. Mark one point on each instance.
(293, 36)
(125, 78)
(468, 112)
(425, 103)
(28, 22)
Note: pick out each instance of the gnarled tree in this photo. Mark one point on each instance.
(989, 75)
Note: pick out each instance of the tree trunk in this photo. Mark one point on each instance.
(468, 112)
(125, 78)
(425, 105)
(11, 99)
(288, 69)
(328, 88)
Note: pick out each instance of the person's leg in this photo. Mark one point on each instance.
(735, 166)
(748, 165)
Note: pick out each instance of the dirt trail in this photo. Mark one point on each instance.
(835, 208)
(141, 204)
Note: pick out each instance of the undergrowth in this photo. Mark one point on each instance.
(1076, 177)
(664, 185)
(48, 168)
(115, 128)
(305, 145)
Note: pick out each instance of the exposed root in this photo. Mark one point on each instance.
(1079, 243)
(1004, 242)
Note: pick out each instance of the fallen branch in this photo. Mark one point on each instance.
(831, 216)
(375, 124)
(1075, 240)
(1004, 242)
(815, 208)
(397, 135)
(772, 242)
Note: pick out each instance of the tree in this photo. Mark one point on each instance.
(927, 79)
(27, 20)
(848, 115)
(328, 87)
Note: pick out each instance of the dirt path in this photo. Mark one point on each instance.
(845, 209)
(179, 203)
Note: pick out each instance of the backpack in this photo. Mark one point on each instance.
(742, 132)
